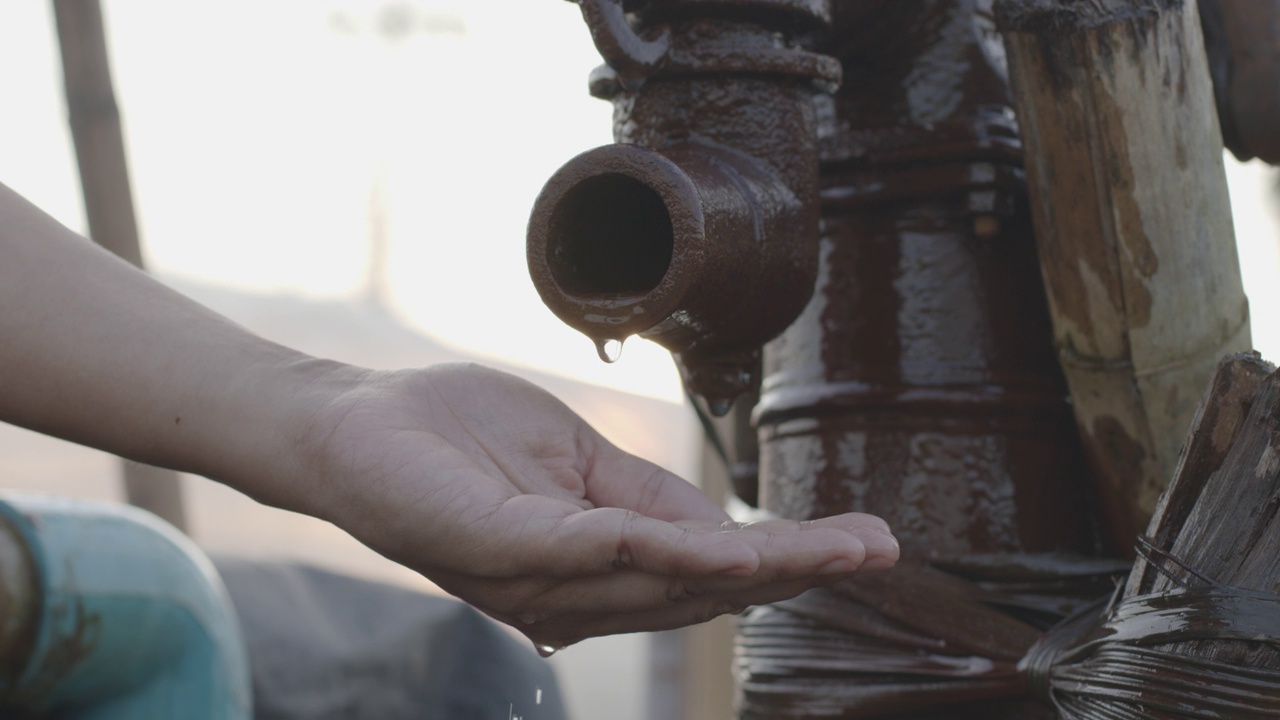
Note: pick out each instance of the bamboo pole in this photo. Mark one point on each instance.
(104, 178)
(1133, 223)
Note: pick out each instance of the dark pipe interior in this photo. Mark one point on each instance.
(611, 235)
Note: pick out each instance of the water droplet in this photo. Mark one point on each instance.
(528, 618)
(546, 650)
(537, 698)
(719, 408)
(609, 350)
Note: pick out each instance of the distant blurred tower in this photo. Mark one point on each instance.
(376, 292)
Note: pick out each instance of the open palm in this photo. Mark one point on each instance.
(504, 497)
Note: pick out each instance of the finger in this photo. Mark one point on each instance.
(632, 592)
(846, 521)
(604, 540)
(621, 480)
(564, 631)
(837, 554)
(837, 544)
(804, 552)
(851, 521)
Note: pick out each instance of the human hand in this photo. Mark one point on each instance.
(504, 497)
(482, 482)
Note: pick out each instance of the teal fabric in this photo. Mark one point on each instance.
(134, 621)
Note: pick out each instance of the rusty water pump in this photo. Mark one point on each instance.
(698, 230)
(863, 259)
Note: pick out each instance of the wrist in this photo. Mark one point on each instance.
(275, 422)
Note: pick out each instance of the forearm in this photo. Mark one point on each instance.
(94, 351)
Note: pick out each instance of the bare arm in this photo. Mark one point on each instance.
(482, 482)
(97, 352)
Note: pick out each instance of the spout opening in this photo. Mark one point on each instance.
(611, 235)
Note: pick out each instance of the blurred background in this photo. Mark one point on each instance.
(353, 178)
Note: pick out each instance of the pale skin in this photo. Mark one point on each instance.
(482, 482)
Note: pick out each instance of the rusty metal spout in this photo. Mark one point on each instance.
(676, 246)
(699, 229)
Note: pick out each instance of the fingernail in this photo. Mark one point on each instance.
(744, 565)
(838, 566)
(740, 570)
(879, 543)
(878, 562)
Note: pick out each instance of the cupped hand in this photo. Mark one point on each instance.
(504, 497)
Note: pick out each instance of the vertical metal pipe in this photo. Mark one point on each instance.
(920, 383)
(19, 600)
(925, 354)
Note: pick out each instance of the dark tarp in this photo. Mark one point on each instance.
(326, 647)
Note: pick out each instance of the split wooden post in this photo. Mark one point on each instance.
(1221, 514)
(1133, 223)
(1196, 633)
(108, 200)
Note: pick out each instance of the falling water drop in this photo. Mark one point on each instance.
(720, 407)
(546, 650)
(537, 698)
(609, 350)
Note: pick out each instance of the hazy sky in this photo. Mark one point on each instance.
(261, 132)
(258, 131)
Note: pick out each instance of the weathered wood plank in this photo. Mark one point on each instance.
(1214, 439)
(1196, 633)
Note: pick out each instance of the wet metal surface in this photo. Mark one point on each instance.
(698, 230)
(920, 383)
(921, 377)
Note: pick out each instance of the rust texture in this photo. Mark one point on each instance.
(699, 229)
(920, 383)
(19, 603)
(62, 655)
(921, 379)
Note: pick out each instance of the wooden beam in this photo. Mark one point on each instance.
(108, 199)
